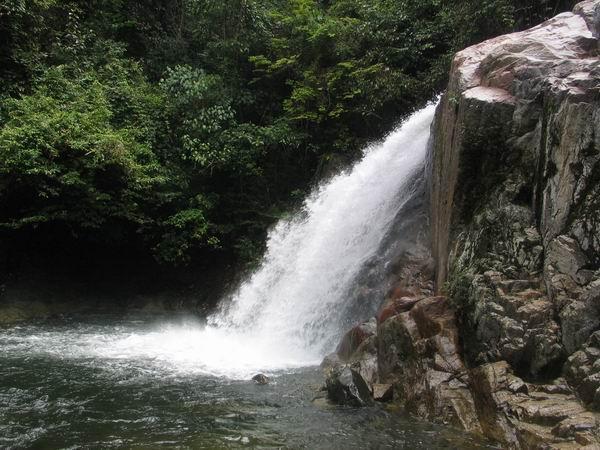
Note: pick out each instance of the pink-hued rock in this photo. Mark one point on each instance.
(515, 230)
(353, 339)
(396, 306)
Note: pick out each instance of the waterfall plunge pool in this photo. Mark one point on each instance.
(112, 381)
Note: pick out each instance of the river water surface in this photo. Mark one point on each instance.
(107, 381)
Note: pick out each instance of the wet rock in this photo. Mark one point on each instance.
(367, 368)
(357, 351)
(330, 361)
(260, 379)
(345, 386)
(383, 392)
(322, 401)
(396, 306)
(419, 355)
(352, 340)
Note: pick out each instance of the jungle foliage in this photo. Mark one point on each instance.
(189, 126)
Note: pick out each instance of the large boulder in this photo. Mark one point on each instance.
(515, 230)
(514, 173)
(345, 386)
(358, 351)
(515, 214)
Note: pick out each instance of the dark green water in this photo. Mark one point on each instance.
(97, 383)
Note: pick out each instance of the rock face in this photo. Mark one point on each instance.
(358, 340)
(510, 346)
(515, 193)
(515, 215)
(524, 415)
(351, 372)
(418, 352)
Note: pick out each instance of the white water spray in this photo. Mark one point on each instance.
(290, 312)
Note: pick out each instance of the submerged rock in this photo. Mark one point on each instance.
(358, 351)
(260, 379)
(323, 402)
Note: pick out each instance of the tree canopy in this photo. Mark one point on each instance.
(189, 126)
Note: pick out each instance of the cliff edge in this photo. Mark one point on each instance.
(508, 344)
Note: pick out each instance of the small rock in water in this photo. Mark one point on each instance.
(260, 379)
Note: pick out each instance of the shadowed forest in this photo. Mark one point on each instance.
(173, 134)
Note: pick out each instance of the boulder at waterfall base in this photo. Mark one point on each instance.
(345, 386)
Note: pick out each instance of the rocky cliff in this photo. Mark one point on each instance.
(510, 345)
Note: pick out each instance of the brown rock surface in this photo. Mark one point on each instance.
(418, 353)
(515, 211)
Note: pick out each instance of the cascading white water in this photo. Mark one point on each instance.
(289, 313)
(290, 310)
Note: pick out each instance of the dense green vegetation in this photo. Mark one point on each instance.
(184, 128)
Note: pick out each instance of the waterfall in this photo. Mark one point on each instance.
(294, 308)
(291, 310)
